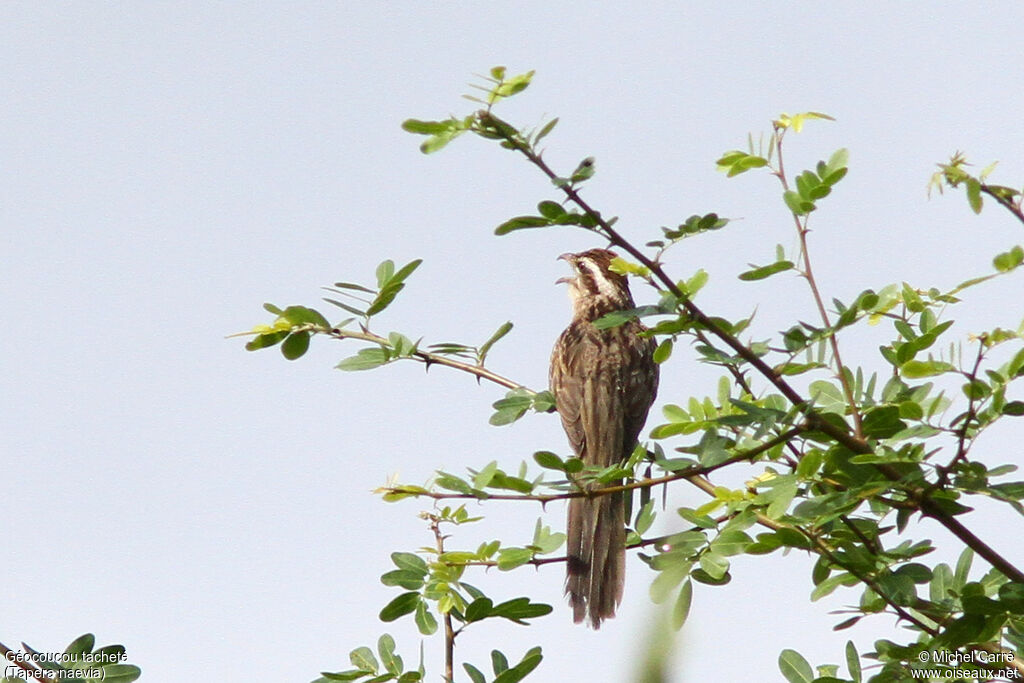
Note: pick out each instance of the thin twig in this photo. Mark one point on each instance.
(449, 629)
(812, 283)
(606, 490)
(424, 357)
(1008, 204)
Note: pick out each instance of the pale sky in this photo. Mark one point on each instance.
(166, 168)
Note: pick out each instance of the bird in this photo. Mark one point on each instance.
(603, 382)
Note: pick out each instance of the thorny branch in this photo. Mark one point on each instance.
(855, 443)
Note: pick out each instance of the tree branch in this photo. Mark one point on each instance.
(853, 442)
(425, 357)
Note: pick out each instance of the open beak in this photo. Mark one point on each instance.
(567, 257)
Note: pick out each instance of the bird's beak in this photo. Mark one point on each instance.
(567, 257)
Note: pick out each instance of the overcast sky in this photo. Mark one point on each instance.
(165, 168)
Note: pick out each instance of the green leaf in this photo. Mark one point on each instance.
(549, 461)
(736, 162)
(512, 86)
(551, 210)
(404, 272)
(474, 673)
(426, 127)
(425, 620)
(974, 194)
(714, 564)
(478, 609)
(1012, 596)
(363, 658)
(81, 645)
(681, 608)
(853, 661)
(663, 351)
(548, 127)
(405, 603)
(342, 305)
(520, 223)
(1009, 260)
(499, 662)
(964, 630)
(439, 141)
(762, 272)
(963, 568)
(386, 650)
(410, 562)
(120, 673)
(301, 315)
(510, 558)
(484, 476)
(295, 346)
(1013, 408)
(502, 330)
(518, 609)
(385, 270)
(916, 369)
(402, 579)
(730, 542)
(584, 171)
(794, 667)
(365, 359)
(265, 340)
(384, 297)
(797, 204)
(530, 661)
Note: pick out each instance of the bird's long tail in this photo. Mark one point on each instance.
(596, 557)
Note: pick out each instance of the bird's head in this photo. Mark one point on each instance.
(594, 288)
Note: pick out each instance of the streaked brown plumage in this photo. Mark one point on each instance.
(604, 382)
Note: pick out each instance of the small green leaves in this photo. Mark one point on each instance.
(543, 132)
(694, 225)
(499, 87)
(736, 162)
(440, 132)
(265, 340)
(516, 610)
(296, 341)
(584, 171)
(389, 284)
(796, 121)
(511, 408)
(954, 172)
(762, 272)
(365, 359)
(367, 665)
(521, 222)
(814, 185)
(1009, 260)
(916, 369)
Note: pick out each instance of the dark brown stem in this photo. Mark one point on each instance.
(1008, 204)
(449, 629)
